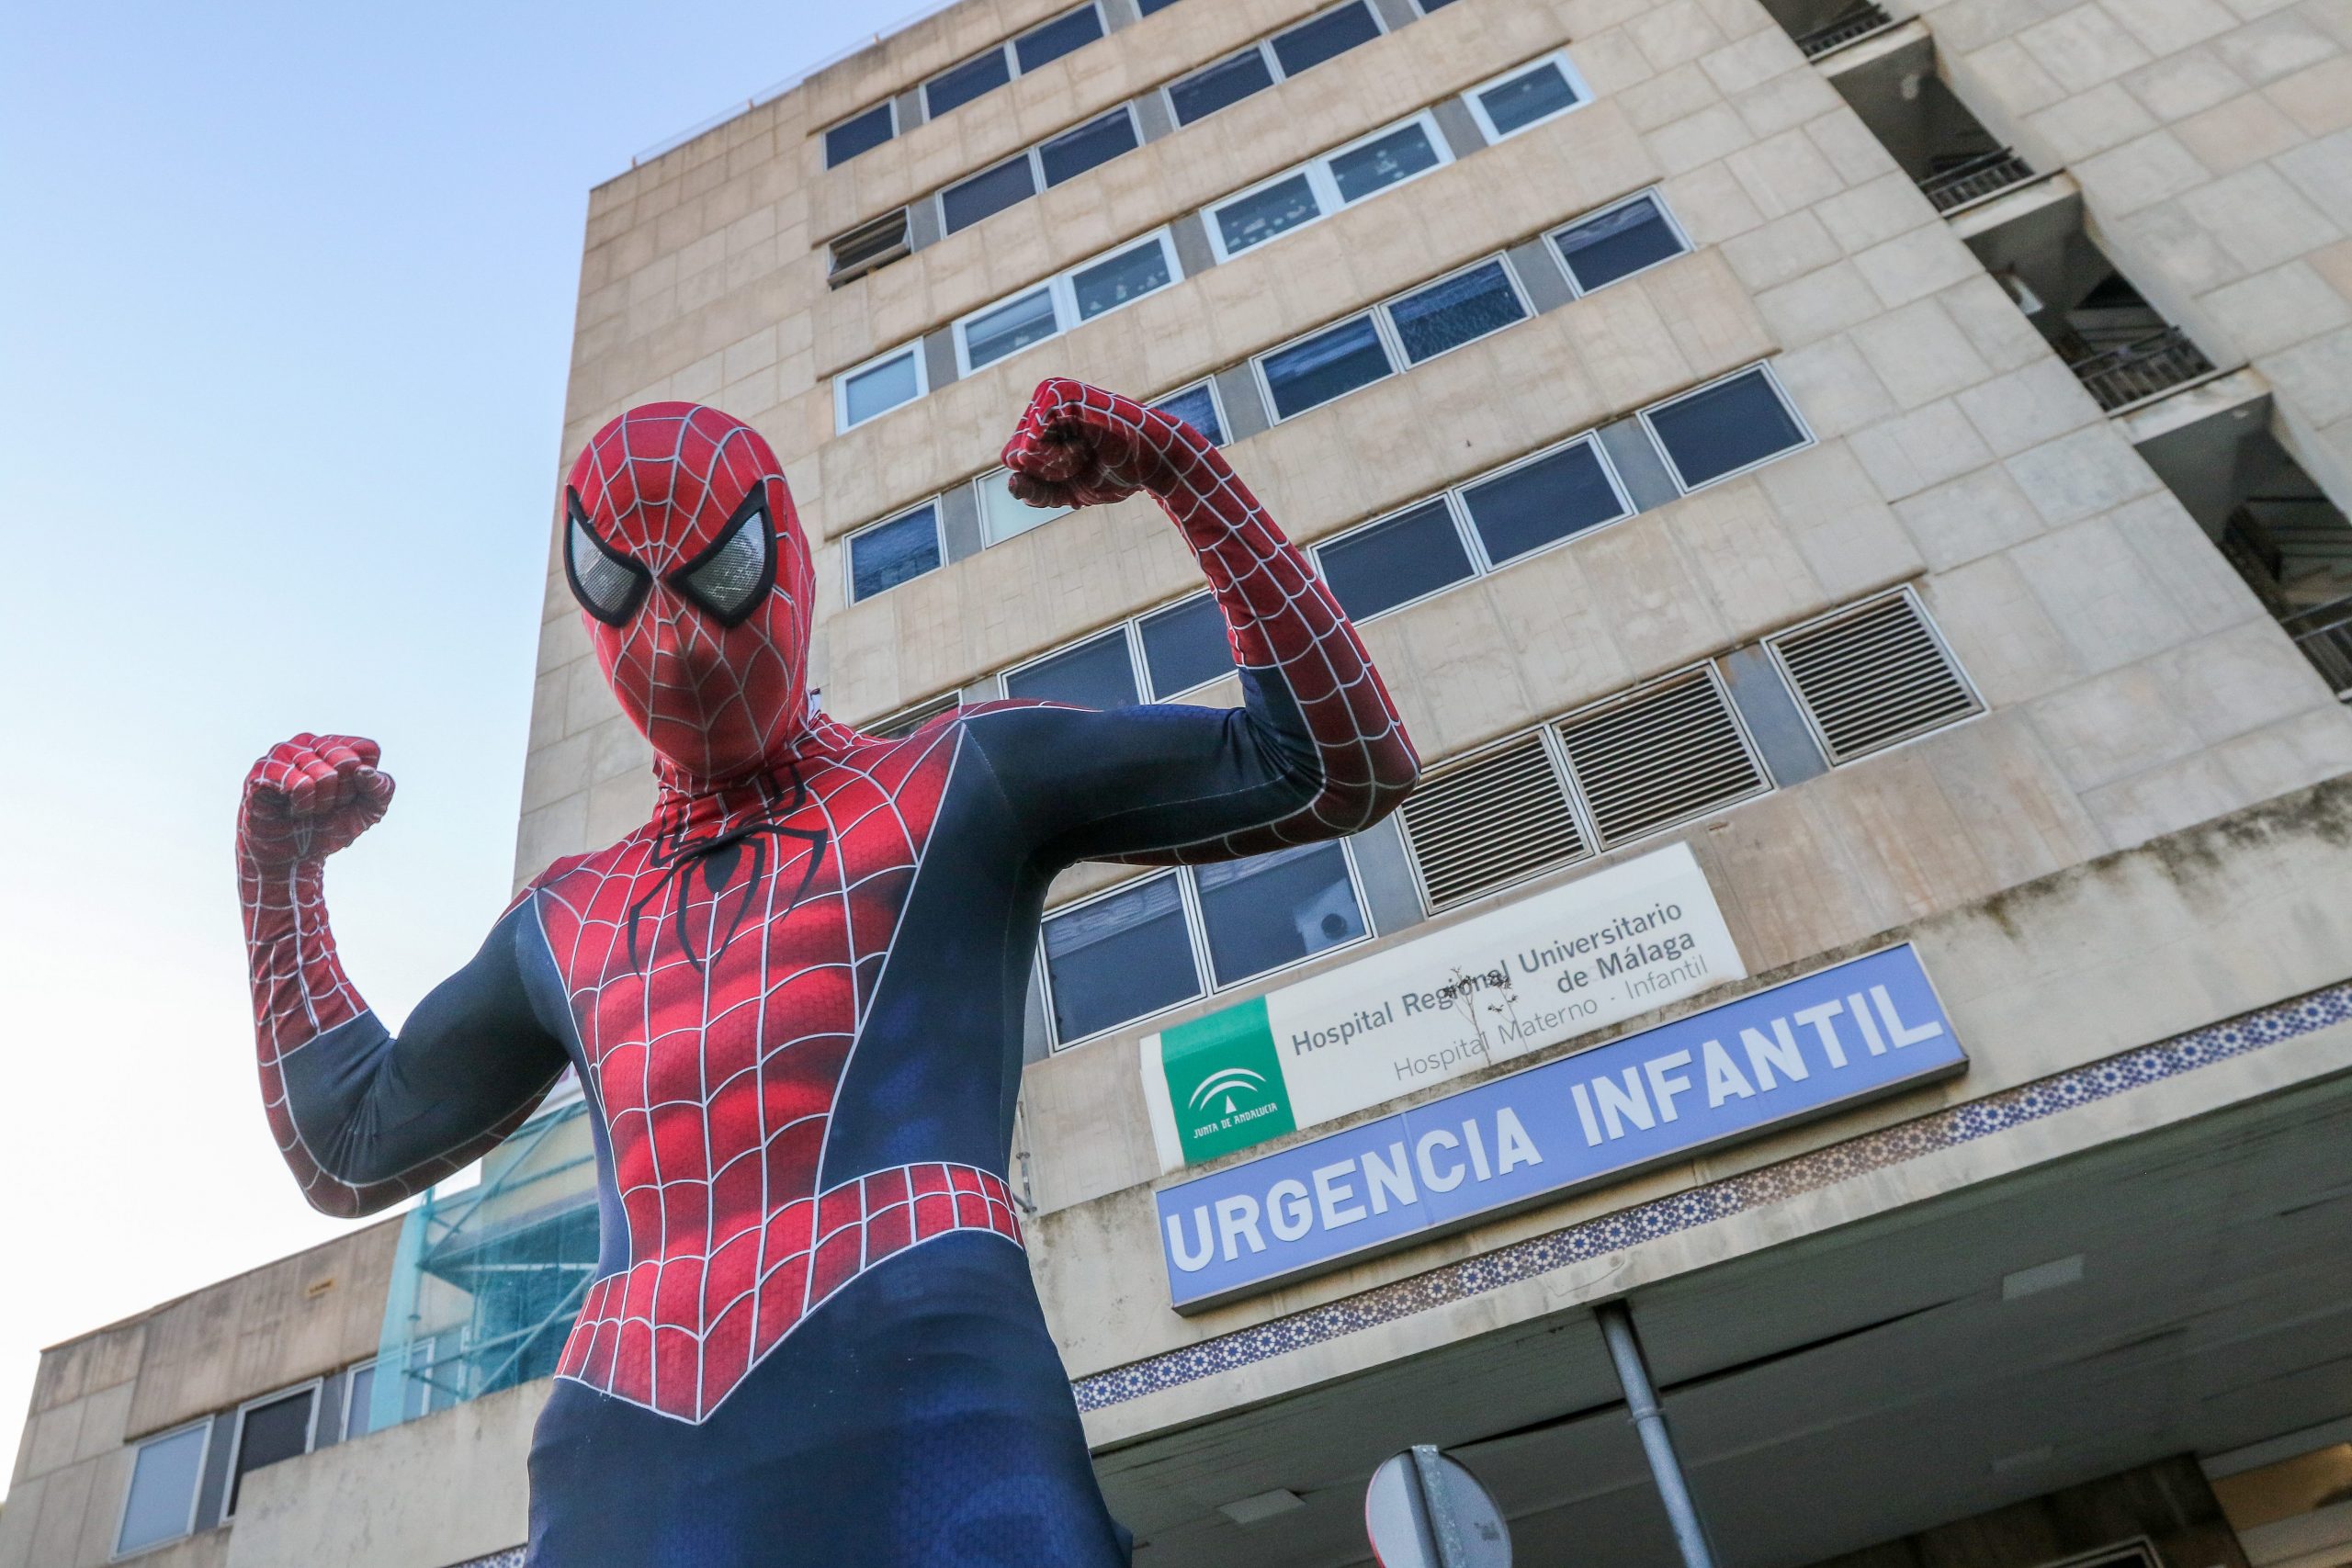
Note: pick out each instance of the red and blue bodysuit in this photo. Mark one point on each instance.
(793, 1000)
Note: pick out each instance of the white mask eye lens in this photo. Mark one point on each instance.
(732, 577)
(607, 586)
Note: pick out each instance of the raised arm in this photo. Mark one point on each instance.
(1316, 750)
(362, 1118)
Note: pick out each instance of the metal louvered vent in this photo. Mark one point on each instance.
(1664, 754)
(1495, 819)
(871, 244)
(1870, 677)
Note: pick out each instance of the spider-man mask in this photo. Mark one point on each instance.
(683, 548)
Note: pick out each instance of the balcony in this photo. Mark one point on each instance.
(2147, 367)
(2325, 634)
(1967, 178)
(1886, 70)
(1849, 26)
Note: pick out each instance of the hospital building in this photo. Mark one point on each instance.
(1849, 497)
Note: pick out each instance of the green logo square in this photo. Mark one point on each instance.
(1224, 1082)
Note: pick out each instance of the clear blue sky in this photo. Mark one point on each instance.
(286, 302)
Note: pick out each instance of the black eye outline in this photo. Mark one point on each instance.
(641, 580)
(754, 509)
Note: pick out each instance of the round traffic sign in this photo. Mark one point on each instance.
(1424, 1510)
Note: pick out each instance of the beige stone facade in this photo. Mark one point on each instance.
(2095, 416)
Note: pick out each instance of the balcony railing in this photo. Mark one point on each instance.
(2325, 634)
(2133, 371)
(1857, 21)
(1974, 178)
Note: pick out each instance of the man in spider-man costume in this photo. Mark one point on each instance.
(793, 1000)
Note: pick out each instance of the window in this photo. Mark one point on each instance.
(1198, 406)
(994, 67)
(1618, 241)
(358, 1401)
(1099, 141)
(1118, 957)
(161, 1504)
(1726, 427)
(861, 133)
(1184, 646)
(1332, 364)
(869, 245)
(1274, 909)
(891, 552)
(1143, 946)
(1322, 38)
(1085, 291)
(1339, 178)
(1004, 514)
(1456, 311)
(268, 1430)
(1543, 500)
(1097, 673)
(960, 84)
(1374, 569)
(1527, 96)
(1874, 675)
(1147, 6)
(878, 386)
(906, 721)
(1040, 46)
(1260, 66)
(989, 191)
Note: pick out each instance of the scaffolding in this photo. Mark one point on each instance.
(489, 1277)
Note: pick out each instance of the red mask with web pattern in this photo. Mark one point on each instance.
(686, 556)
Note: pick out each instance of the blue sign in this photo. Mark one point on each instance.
(1865, 1028)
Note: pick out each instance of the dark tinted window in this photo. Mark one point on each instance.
(1097, 142)
(1325, 365)
(983, 73)
(1130, 275)
(990, 190)
(1010, 327)
(1147, 6)
(1097, 673)
(1537, 503)
(886, 556)
(1620, 241)
(1228, 81)
(1119, 957)
(1335, 33)
(1363, 170)
(1274, 909)
(1184, 646)
(278, 1430)
(1528, 98)
(1383, 566)
(1445, 315)
(1429, 6)
(1259, 216)
(1058, 37)
(850, 138)
(1196, 406)
(1727, 426)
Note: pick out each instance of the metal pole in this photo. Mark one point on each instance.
(1649, 1421)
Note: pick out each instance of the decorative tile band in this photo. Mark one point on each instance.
(510, 1558)
(1774, 1183)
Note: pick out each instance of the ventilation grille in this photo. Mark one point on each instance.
(1671, 752)
(867, 246)
(1490, 821)
(1874, 676)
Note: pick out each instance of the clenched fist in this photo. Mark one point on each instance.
(310, 796)
(1079, 445)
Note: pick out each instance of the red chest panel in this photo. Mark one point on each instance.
(718, 976)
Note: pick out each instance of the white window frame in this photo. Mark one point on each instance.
(1674, 470)
(1380, 30)
(849, 563)
(1006, 49)
(1560, 57)
(1457, 504)
(115, 1552)
(1188, 898)
(822, 136)
(842, 424)
(237, 1435)
(1135, 658)
(1323, 185)
(1151, 693)
(1266, 388)
(1657, 199)
(1035, 154)
(1510, 280)
(349, 1376)
(1264, 48)
(1216, 404)
(1062, 287)
(1040, 516)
